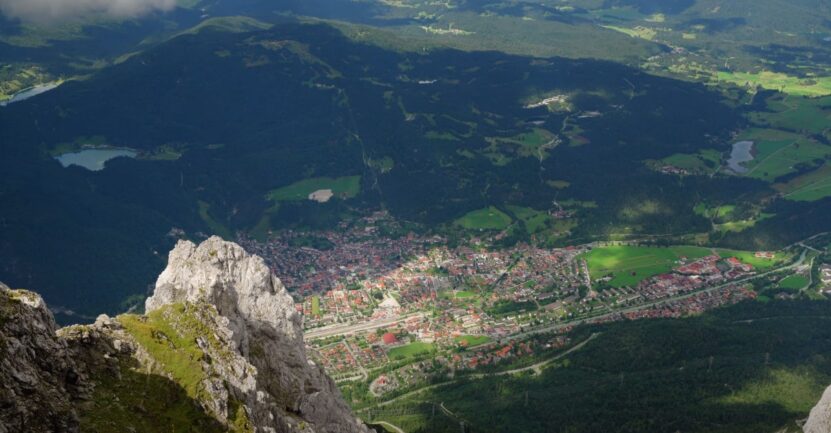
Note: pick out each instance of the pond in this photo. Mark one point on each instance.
(742, 153)
(93, 159)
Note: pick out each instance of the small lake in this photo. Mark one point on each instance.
(93, 159)
(28, 93)
(742, 153)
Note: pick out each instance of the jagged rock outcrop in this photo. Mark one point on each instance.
(220, 349)
(258, 337)
(819, 420)
(38, 378)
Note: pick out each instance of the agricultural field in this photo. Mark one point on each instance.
(636, 32)
(489, 218)
(813, 192)
(630, 265)
(777, 153)
(778, 159)
(342, 187)
(705, 161)
(534, 220)
(796, 86)
(410, 350)
(811, 115)
(812, 186)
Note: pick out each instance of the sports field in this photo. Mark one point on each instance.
(794, 282)
(410, 350)
(472, 340)
(315, 305)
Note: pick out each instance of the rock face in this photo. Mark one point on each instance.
(260, 339)
(220, 343)
(37, 376)
(819, 421)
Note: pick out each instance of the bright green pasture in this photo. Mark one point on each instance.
(489, 218)
(473, 340)
(347, 186)
(632, 264)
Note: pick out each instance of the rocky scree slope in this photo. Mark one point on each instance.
(220, 348)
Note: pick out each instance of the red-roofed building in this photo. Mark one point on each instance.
(389, 338)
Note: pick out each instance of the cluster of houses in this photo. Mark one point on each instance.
(825, 275)
(707, 271)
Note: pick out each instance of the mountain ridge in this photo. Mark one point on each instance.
(220, 349)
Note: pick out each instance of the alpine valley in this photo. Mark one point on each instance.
(415, 216)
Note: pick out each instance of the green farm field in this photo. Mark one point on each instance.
(815, 87)
(489, 218)
(795, 114)
(812, 186)
(347, 186)
(632, 264)
(703, 161)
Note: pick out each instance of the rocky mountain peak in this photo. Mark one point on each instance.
(239, 285)
(259, 332)
(219, 349)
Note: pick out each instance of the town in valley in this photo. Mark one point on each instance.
(398, 312)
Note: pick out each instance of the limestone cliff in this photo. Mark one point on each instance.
(219, 349)
(37, 376)
(819, 421)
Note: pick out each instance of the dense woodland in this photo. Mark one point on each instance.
(749, 368)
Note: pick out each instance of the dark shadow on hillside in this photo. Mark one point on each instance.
(129, 400)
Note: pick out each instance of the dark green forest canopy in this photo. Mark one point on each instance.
(749, 368)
